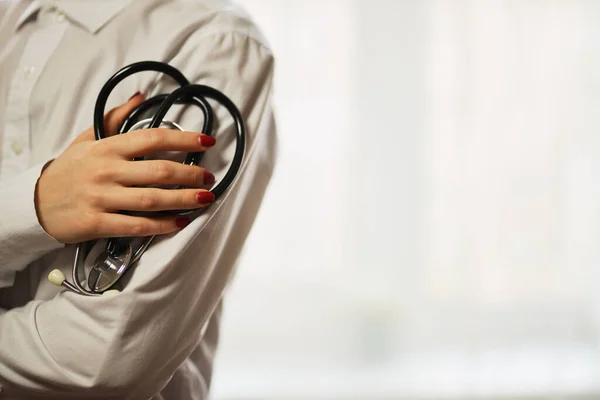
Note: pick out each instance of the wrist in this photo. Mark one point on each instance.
(39, 201)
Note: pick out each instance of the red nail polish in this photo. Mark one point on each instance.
(205, 197)
(136, 94)
(182, 222)
(209, 178)
(207, 141)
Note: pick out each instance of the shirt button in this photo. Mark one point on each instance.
(17, 147)
(60, 17)
(29, 72)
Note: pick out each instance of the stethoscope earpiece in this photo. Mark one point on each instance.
(56, 277)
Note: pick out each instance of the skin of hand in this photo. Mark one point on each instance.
(80, 194)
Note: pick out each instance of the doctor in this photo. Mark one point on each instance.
(157, 338)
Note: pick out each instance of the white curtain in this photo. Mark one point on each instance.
(433, 228)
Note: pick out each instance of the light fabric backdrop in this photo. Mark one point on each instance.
(433, 228)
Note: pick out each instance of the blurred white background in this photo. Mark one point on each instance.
(433, 227)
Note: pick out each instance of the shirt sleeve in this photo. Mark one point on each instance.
(128, 346)
(22, 238)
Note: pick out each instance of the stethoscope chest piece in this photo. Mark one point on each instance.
(108, 268)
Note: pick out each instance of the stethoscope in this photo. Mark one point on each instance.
(119, 257)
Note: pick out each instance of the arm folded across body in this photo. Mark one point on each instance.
(129, 345)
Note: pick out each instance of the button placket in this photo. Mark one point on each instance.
(38, 49)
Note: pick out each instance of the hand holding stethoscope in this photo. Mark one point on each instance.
(79, 192)
(97, 188)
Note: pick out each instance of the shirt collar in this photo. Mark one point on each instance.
(27, 13)
(90, 14)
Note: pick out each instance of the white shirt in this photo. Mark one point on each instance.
(157, 338)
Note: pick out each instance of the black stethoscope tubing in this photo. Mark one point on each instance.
(186, 94)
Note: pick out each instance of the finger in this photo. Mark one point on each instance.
(120, 225)
(161, 172)
(154, 199)
(115, 117)
(146, 141)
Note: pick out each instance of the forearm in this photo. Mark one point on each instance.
(22, 239)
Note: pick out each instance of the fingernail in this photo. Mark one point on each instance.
(182, 222)
(209, 178)
(136, 94)
(205, 197)
(207, 141)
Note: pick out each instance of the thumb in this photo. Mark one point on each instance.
(113, 119)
